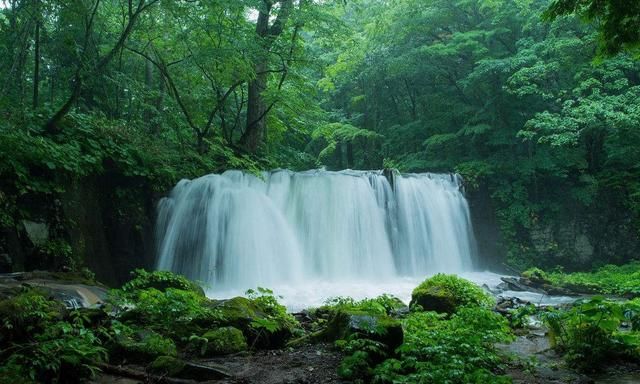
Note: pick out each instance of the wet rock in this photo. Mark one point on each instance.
(166, 365)
(381, 328)
(38, 233)
(515, 284)
(505, 305)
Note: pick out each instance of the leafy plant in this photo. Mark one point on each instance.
(382, 305)
(590, 332)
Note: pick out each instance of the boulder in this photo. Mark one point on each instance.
(446, 293)
(259, 328)
(381, 328)
(173, 367)
(166, 365)
(224, 341)
(141, 347)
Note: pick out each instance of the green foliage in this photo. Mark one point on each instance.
(139, 345)
(590, 332)
(436, 349)
(160, 280)
(616, 21)
(448, 293)
(275, 317)
(26, 314)
(382, 305)
(56, 351)
(609, 279)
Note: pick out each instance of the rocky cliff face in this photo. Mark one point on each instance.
(105, 225)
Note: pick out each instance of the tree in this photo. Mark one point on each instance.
(86, 68)
(257, 109)
(618, 22)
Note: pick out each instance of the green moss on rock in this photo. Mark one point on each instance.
(264, 323)
(142, 346)
(381, 328)
(446, 293)
(225, 340)
(167, 365)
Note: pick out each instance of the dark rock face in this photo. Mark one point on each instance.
(107, 221)
(491, 251)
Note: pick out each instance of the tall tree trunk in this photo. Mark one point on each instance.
(257, 110)
(36, 62)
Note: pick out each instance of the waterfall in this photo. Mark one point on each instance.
(239, 231)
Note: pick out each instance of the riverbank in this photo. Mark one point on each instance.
(160, 327)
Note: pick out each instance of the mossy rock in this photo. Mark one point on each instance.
(166, 365)
(224, 341)
(446, 293)
(536, 277)
(247, 315)
(381, 328)
(238, 311)
(142, 347)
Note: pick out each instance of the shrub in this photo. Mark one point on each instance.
(160, 280)
(381, 305)
(62, 348)
(589, 333)
(436, 349)
(173, 312)
(27, 314)
(610, 279)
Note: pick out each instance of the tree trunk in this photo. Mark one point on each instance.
(257, 110)
(36, 64)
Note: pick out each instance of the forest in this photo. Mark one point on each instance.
(161, 156)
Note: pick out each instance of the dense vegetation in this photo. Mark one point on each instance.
(130, 97)
(106, 104)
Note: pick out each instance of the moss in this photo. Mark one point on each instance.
(142, 346)
(225, 340)
(263, 324)
(536, 276)
(381, 328)
(167, 365)
(446, 293)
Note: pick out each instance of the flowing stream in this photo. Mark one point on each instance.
(315, 233)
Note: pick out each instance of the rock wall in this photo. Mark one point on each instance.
(107, 221)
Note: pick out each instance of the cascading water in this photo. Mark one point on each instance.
(236, 231)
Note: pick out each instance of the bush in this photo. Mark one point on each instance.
(173, 312)
(436, 349)
(446, 293)
(610, 279)
(590, 332)
(63, 352)
(26, 314)
(160, 280)
(381, 305)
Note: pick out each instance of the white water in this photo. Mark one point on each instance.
(315, 233)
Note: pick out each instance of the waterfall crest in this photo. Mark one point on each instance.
(238, 231)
